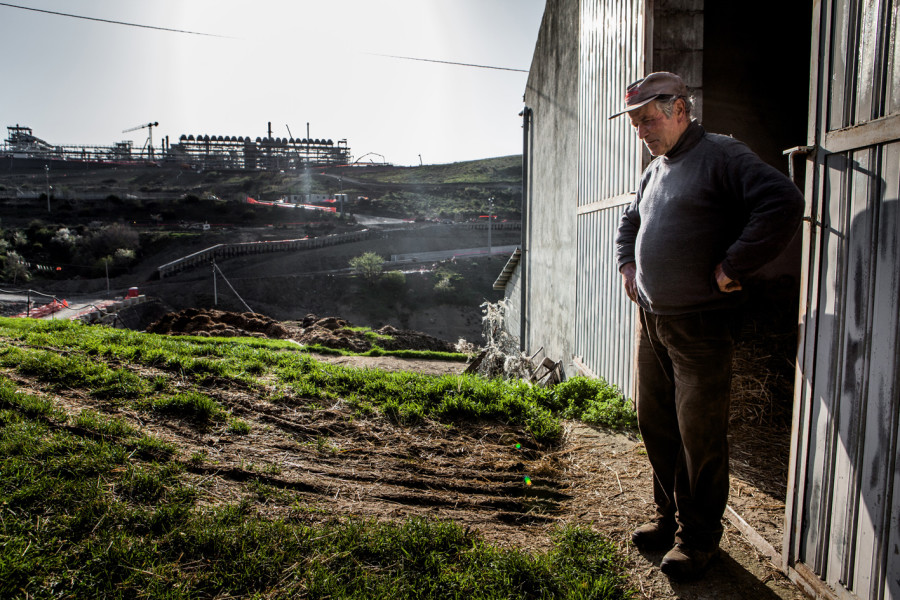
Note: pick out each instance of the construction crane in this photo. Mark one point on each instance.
(149, 127)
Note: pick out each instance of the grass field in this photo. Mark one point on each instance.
(95, 505)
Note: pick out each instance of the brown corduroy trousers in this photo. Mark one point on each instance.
(684, 387)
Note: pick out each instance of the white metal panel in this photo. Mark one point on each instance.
(892, 89)
(884, 414)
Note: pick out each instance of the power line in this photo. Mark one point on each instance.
(62, 14)
(141, 26)
(447, 62)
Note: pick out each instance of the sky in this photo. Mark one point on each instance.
(325, 63)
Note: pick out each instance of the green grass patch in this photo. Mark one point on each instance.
(408, 397)
(83, 519)
(92, 507)
(593, 401)
(71, 370)
(402, 397)
(378, 351)
(105, 426)
(190, 405)
(369, 333)
(238, 427)
(26, 404)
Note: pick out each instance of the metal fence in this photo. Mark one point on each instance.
(204, 257)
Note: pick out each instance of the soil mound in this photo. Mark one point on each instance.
(331, 332)
(218, 323)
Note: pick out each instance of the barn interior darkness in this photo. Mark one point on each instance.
(756, 67)
(756, 74)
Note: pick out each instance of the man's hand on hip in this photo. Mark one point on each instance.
(726, 284)
(629, 271)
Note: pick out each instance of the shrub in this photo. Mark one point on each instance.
(112, 237)
(393, 281)
(368, 266)
(593, 401)
(444, 288)
(14, 268)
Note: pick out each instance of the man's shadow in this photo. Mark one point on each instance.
(726, 579)
(850, 398)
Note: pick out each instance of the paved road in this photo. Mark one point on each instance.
(370, 220)
(459, 253)
(76, 306)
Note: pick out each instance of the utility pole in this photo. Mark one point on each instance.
(215, 293)
(490, 223)
(47, 181)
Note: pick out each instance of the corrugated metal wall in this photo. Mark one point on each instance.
(512, 295)
(843, 517)
(551, 159)
(611, 55)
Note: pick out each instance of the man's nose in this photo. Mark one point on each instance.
(641, 131)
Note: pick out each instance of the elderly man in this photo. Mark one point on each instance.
(707, 214)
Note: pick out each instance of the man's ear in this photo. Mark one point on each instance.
(680, 109)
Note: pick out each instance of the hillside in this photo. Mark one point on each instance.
(126, 222)
(459, 190)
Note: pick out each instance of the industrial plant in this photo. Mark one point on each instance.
(23, 150)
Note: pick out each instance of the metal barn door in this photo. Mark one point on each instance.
(842, 533)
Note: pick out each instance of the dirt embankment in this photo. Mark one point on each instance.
(330, 332)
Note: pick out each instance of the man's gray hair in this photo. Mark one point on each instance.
(667, 106)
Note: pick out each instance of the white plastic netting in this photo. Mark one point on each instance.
(501, 356)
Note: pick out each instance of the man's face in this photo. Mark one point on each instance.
(658, 132)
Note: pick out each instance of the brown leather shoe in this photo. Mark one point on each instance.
(683, 563)
(653, 537)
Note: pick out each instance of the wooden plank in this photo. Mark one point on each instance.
(751, 534)
(807, 579)
(619, 200)
(582, 368)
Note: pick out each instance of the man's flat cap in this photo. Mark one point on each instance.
(651, 87)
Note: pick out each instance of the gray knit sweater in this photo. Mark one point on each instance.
(710, 199)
